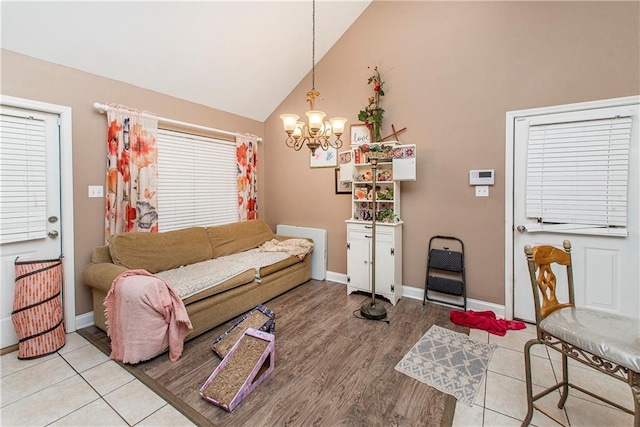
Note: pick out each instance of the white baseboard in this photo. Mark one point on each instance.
(84, 320)
(332, 276)
(416, 293)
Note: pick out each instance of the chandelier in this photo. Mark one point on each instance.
(317, 131)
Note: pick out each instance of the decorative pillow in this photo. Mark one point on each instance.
(157, 252)
(238, 237)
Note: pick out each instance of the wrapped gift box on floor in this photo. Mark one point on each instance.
(247, 364)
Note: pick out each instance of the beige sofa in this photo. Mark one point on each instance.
(190, 252)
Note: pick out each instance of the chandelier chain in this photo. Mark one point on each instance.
(316, 132)
(313, 49)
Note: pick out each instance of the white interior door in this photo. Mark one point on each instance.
(606, 268)
(30, 151)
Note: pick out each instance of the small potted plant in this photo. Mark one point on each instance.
(386, 215)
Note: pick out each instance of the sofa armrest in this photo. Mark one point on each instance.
(101, 275)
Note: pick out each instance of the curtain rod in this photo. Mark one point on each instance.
(102, 108)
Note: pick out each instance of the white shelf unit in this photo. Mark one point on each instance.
(355, 167)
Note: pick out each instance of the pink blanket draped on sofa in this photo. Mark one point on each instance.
(144, 317)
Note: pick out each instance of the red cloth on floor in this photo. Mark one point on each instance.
(485, 320)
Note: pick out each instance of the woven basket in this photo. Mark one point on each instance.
(37, 308)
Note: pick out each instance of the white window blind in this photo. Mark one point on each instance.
(23, 189)
(577, 175)
(197, 181)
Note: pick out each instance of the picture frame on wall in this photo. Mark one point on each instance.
(360, 134)
(342, 187)
(324, 159)
(344, 157)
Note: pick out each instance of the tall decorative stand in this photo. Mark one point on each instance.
(372, 310)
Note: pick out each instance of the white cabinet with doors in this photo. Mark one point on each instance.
(355, 167)
(388, 259)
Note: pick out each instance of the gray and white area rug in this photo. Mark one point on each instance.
(448, 361)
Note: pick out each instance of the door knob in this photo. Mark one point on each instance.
(53, 234)
(521, 228)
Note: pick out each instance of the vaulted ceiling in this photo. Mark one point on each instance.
(243, 57)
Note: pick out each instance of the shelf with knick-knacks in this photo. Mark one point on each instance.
(398, 165)
(377, 196)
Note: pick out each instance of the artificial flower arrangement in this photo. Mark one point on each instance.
(361, 194)
(379, 151)
(372, 114)
(384, 175)
(376, 148)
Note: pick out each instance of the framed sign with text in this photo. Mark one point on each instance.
(360, 134)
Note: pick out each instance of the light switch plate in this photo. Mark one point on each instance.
(95, 191)
(482, 191)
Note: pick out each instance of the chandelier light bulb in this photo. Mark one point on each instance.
(299, 130)
(289, 122)
(316, 120)
(326, 129)
(338, 123)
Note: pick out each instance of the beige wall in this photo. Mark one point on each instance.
(33, 79)
(452, 71)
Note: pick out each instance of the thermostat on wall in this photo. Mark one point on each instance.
(481, 177)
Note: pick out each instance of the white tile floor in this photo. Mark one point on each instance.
(502, 399)
(80, 386)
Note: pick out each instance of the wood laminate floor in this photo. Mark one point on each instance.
(331, 367)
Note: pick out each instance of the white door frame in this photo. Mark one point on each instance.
(512, 116)
(66, 200)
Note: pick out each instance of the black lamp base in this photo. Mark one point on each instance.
(373, 311)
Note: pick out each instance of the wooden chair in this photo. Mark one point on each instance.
(606, 342)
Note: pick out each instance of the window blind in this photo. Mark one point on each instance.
(577, 175)
(23, 193)
(197, 181)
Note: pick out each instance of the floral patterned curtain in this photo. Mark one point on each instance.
(247, 160)
(132, 172)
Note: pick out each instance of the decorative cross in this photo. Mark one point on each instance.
(394, 134)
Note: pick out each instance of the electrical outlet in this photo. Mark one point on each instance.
(95, 191)
(482, 191)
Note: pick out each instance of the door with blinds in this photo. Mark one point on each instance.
(576, 177)
(29, 198)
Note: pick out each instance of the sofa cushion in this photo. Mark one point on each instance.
(263, 263)
(281, 265)
(156, 252)
(238, 237)
(200, 280)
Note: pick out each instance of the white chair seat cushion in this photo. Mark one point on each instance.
(610, 336)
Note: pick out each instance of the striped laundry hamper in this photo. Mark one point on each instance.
(37, 308)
